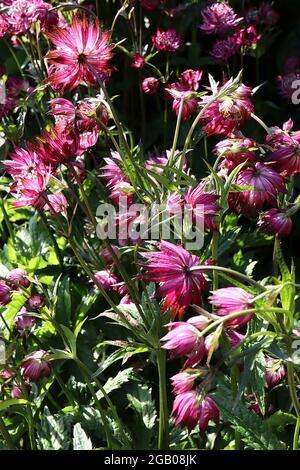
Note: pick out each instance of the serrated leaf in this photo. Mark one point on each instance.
(80, 440)
(52, 435)
(113, 383)
(142, 403)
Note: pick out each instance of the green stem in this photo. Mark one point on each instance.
(6, 435)
(214, 254)
(176, 135)
(292, 388)
(163, 433)
(229, 271)
(296, 435)
(55, 245)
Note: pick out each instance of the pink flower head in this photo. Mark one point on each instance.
(19, 277)
(23, 13)
(4, 26)
(286, 153)
(150, 85)
(35, 302)
(16, 392)
(204, 204)
(237, 151)
(107, 280)
(234, 338)
(56, 203)
(23, 322)
(23, 163)
(267, 183)
(276, 222)
(168, 41)
(138, 61)
(219, 18)
(112, 172)
(230, 300)
(55, 147)
(229, 113)
(80, 51)
(5, 293)
(184, 381)
(224, 49)
(275, 372)
(190, 411)
(6, 374)
(106, 254)
(190, 79)
(35, 366)
(179, 286)
(183, 339)
(248, 36)
(182, 98)
(31, 191)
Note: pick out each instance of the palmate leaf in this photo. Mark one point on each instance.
(253, 430)
(142, 403)
(53, 434)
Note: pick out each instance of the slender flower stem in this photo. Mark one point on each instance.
(176, 135)
(229, 271)
(163, 433)
(214, 254)
(296, 435)
(292, 388)
(6, 435)
(55, 245)
(263, 125)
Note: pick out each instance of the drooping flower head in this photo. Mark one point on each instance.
(107, 280)
(168, 41)
(219, 18)
(275, 372)
(230, 300)
(189, 410)
(267, 183)
(35, 301)
(80, 50)
(55, 147)
(150, 85)
(5, 293)
(286, 149)
(276, 222)
(24, 322)
(35, 366)
(236, 151)
(19, 276)
(204, 204)
(179, 286)
(225, 115)
(138, 61)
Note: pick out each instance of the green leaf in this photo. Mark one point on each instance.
(113, 383)
(279, 420)
(52, 435)
(4, 405)
(142, 403)
(254, 431)
(80, 440)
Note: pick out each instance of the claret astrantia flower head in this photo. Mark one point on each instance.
(191, 409)
(169, 40)
(179, 286)
(219, 18)
(81, 50)
(230, 300)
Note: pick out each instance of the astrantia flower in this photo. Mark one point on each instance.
(237, 150)
(224, 49)
(184, 381)
(24, 163)
(275, 372)
(5, 293)
(268, 183)
(248, 36)
(16, 392)
(31, 191)
(35, 302)
(229, 113)
(80, 48)
(24, 322)
(183, 339)
(35, 366)
(276, 222)
(286, 154)
(20, 277)
(138, 61)
(179, 286)
(107, 279)
(230, 300)
(190, 411)
(55, 147)
(22, 13)
(184, 100)
(190, 79)
(219, 18)
(204, 204)
(150, 85)
(169, 40)
(4, 26)
(56, 203)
